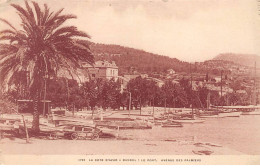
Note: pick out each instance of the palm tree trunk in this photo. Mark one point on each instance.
(140, 107)
(36, 115)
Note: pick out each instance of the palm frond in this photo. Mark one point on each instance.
(7, 31)
(22, 12)
(38, 12)
(9, 24)
(58, 21)
(30, 12)
(8, 37)
(45, 14)
(53, 18)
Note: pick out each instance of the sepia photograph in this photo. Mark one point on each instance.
(130, 82)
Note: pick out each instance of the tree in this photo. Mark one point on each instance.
(124, 100)
(236, 85)
(168, 93)
(114, 94)
(90, 93)
(43, 47)
(57, 92)
(174, 95)
(142, 91)
(186, 85)
(75, 96)
(207, 77)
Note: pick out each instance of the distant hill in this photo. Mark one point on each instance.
(130, 59)
(242, 59)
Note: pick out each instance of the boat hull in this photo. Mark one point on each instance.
(251, 113)
(168, 126)
(211, 116)
(230, 114)
(188, 121)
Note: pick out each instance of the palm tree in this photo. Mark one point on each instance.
(43, 47)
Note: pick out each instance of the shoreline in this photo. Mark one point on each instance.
(111, 147)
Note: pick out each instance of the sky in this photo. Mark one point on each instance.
(190, 30)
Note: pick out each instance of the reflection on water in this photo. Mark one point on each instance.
(239, 133)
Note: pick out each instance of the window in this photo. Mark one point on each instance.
(87, 129)
(68, 127)
(78, 128)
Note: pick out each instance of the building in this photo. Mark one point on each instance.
(225, 89)
(102, 69)
(158, 82)
(170, 71)
(218, 79)
(123, 81)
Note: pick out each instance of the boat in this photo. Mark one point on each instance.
(210, 113)
(8, 127)
(62, 120)
(187, 121)
(255, 112)
(124, 124)
(230, 114)
(211, 116)
(156, 122)
(106, 132)
(172, 125)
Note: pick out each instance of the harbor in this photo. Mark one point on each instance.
(150, 82)
(209, 136)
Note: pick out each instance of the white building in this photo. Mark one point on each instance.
(170, 71)
(102, 69)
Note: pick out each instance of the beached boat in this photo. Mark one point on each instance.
(250, 110)
(124, 124)
(191, 121)
(244, 110)
(256, 112)
(211, 116)
(230, 114)
(8, 127)
(171, 125)
(158, 122)
(61, 120)
(210, 113)
(106, 132)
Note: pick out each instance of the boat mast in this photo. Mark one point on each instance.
(208, 100)
(191, 93)
(254, 94)
(221, 100)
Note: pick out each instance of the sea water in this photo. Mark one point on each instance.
(238, 133)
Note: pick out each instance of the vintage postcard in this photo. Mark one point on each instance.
(130, 82)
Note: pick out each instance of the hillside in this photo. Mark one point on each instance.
(129, 59)
(242, 59)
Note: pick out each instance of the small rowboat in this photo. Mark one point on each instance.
(191, 121)
(172, 125)
(251, 112)
(229, 114)
(211, 116)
